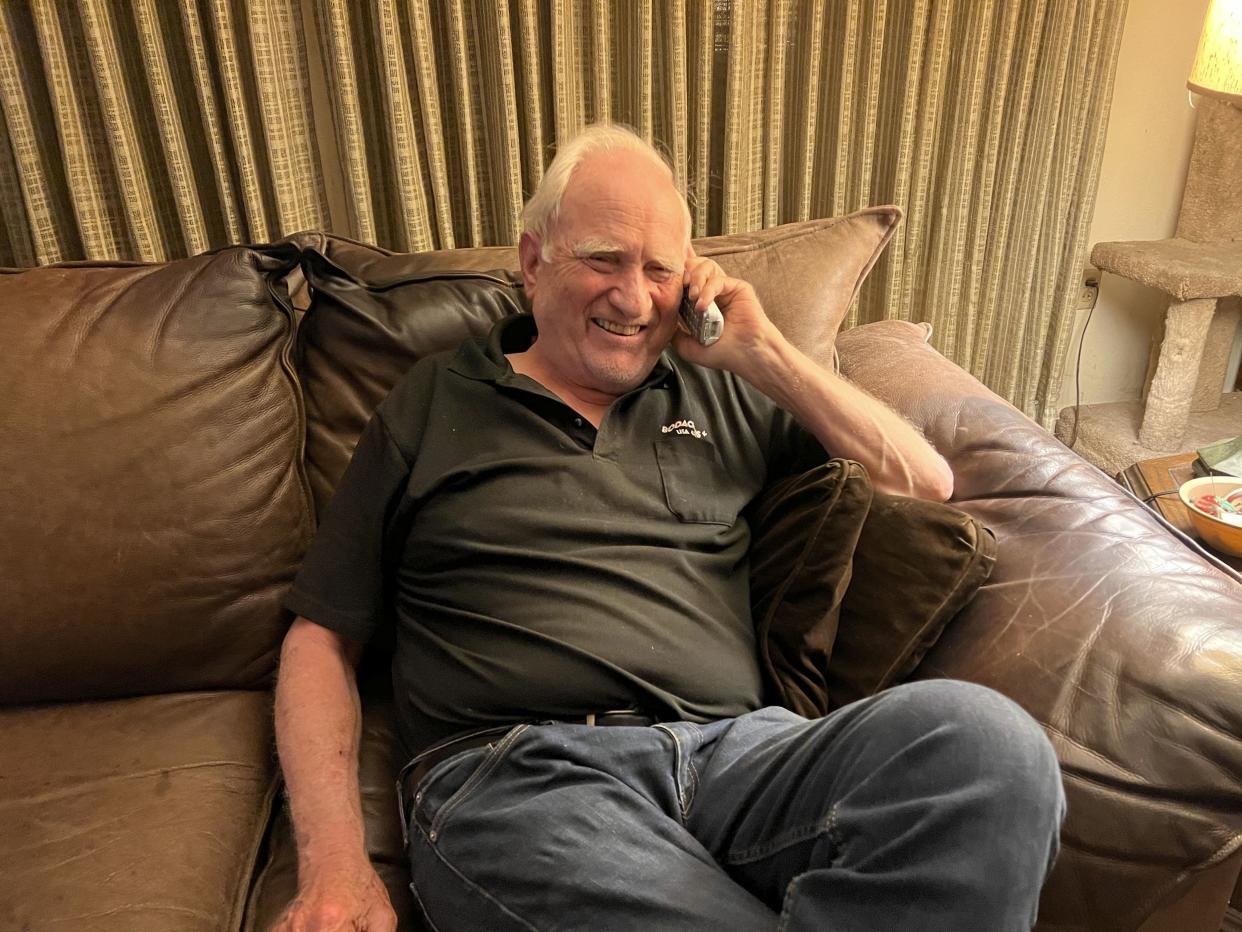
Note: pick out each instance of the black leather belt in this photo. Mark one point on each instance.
(422, 763)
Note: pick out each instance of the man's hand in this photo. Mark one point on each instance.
(747, 328)
(348, 901)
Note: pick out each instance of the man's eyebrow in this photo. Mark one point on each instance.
(593, 246)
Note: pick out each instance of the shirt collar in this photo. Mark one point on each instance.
(484, 359)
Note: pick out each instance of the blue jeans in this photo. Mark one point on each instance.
(935, 805)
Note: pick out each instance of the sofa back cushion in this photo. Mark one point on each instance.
(373, 313)
(807, 274)
(152, 506)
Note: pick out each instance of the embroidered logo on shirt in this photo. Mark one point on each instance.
(685, 428)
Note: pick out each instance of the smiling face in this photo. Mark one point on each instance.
(606, 284)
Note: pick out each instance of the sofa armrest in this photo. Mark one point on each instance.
(893, 361)
(1125, 642)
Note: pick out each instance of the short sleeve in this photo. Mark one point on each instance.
(792, 449)
(341, 583)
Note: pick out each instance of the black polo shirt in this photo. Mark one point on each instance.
(536, 567)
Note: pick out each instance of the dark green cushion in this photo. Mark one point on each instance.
(850, 588)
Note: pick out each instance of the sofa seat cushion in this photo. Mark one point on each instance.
(131, 814)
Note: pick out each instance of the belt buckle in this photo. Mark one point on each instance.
(594, 718)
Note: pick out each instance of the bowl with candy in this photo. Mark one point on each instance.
(1215, 506)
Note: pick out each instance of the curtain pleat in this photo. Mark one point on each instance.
(163, 84)
(800, 112)
(154, 129)
(704, 101)
(402, 112)
(92, 182)
(532, 100)
(336, 28)
(463, 132)
(570, 72)
(666, 87)
(122, 123)
(290, 166)
(425, 59)
(210, 128)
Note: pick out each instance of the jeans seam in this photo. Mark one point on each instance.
(423, 909)
(693, 789)
(679, 755)
(475, 779)
(786, 904)
(826, 826)
(473, 886)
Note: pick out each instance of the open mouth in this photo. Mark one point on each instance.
(621, 330)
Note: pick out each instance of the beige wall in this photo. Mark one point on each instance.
(1141, 179)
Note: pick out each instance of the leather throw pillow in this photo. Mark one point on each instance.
(850, 587)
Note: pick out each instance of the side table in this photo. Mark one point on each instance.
(1155, 483)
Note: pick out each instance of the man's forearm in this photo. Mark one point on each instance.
(851, 424)
(318, 722)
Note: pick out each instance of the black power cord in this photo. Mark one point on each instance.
(1082, 338)
(1155, 495)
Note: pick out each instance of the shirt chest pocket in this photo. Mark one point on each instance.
(697, 487)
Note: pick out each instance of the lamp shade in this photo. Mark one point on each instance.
(1217, 71)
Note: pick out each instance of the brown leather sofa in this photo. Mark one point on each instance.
(169, 432)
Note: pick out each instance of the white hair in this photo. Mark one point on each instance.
(542, 211)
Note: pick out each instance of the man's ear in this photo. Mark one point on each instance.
(529, 259)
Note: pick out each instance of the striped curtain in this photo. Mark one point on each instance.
(157, 128)
(983, 120)
(149, 129)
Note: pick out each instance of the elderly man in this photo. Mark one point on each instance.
(551, 549)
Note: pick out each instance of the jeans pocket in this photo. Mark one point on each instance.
(430, 812)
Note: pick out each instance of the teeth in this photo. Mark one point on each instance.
(613, 327)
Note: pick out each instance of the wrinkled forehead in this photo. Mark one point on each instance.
(624, 203)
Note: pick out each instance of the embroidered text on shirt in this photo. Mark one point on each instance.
(683, 427)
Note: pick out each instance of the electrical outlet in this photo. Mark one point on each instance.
(1088, 289)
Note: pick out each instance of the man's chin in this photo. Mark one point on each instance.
(620, 379)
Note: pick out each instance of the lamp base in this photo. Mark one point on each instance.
(1212, 202)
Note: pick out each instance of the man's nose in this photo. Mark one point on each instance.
(632, 294)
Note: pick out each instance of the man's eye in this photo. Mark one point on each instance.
(602, 262)
(659, 273)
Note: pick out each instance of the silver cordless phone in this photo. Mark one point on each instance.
(705, 325)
